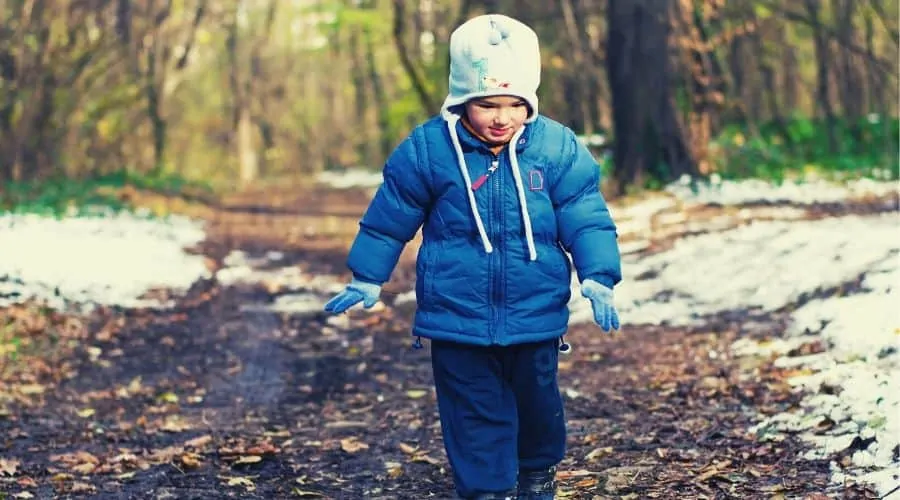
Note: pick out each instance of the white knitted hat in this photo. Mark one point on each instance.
(492, 55)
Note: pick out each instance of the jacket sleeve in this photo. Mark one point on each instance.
(586, 229)
(392, 218)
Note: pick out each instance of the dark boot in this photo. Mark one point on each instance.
(499, 495)
(537, 485)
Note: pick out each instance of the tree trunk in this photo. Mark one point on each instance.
(154, 112)
(823, 68)
(429, 102)
(385, 134)
(705, 74)
(649, 141)
(248, 163)
(769, 87)
(574, 28)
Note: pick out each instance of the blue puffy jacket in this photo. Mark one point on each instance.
(492, 290)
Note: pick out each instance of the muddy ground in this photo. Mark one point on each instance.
(217, 400)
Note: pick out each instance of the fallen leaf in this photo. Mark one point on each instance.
(588, 482)
(8, 467)
(241, 481)
(168, 397)
(27, 482)
(23, 494)
(405, 448)
(248, 459)
(394, 469)
(174, 424)
(416, 393)
(345, 424)
(598, 453)
(94, 353)
(353, 445)
(86, 413)
(134, 386)
(568, 474)
(191, 460)
(78, 487)
(30, 389)
(198, 442)
(307, 494)
(84, 468)
(714, 471)
(423, 457)
(262, 449)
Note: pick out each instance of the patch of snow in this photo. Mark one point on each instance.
(718, 191)
(292, 303)
(853, 388)
(107, 258)
(243, 269)
(635, 218)
(761, 265)
(350, 178)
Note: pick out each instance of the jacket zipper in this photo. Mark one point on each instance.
(497, 237)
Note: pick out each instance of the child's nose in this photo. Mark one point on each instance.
(502, 116)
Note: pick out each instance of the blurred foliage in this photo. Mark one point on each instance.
(237, 92)
(60, 196)
(802, 147)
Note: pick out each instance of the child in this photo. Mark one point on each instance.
(501, 193)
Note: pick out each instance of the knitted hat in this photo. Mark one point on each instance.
(493, 55)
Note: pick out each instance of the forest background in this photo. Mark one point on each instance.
(173, 94)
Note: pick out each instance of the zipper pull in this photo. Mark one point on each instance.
(484, 177)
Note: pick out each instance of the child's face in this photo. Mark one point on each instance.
(497, 118)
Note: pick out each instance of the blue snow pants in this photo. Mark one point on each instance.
(501, 411)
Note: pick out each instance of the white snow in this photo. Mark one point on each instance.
(297, 292)
(726, 192)
(100, 259)
(762, 265)
(854, 385)
(350, 178)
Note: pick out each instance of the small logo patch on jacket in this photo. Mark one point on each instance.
(536, 180)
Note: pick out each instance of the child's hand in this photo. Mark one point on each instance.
(356, 292)
(601, 298)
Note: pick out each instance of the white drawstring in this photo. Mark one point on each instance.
(452, 120)
(461, 162)
(523, 205)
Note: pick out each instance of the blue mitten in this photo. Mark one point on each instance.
(357, 291)
(601, 298)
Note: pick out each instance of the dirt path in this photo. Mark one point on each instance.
(219, 400)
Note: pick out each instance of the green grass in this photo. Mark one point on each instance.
(802, 148)
(58, 196)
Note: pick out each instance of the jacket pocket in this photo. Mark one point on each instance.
(565, 265)
(425, 269)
